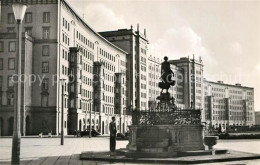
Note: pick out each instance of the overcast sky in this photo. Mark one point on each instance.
(224, 33)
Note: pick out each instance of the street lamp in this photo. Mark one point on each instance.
(19, 11)
(90, 129)
(62, 112)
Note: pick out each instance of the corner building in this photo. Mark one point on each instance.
(62, 46)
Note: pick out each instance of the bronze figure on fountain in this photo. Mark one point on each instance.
(167, 81)
(166, 76)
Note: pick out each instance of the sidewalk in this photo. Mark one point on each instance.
(48, 151)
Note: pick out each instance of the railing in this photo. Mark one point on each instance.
(174, 117)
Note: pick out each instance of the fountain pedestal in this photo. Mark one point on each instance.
(164, 140)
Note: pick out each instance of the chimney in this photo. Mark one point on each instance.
(138, 27)
(145, 32)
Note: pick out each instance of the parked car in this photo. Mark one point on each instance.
(121, 136)
(94, 133)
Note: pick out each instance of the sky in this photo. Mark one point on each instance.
(226, 34)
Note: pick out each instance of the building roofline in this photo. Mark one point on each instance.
(184, 60)
(123, 32)
(228, 84)
(85, 24)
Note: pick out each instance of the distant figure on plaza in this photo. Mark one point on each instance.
(112, 129)
(166, 75)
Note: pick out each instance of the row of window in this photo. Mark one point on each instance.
(235, 91)
(108, 66)
(86, 93)
(11, 46)
(144, 52)
(143, 86)
(87, 54)
(153, 76)
(28, 18)
(108, 99)
(110, 78)
(155, 84)
(108, 88)
(85, 40)
(152, 91)
(143, 77)
(28, 30)
(87, 68)
(86, 80)
(107, 55)
(65, 70)
(11, 63)
(143, 95)
(86, 106)
(66, 24)
(143, 68)
(65, 39)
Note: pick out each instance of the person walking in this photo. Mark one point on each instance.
(112, 129)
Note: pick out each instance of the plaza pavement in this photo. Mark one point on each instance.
(48, 151)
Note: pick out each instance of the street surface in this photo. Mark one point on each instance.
(47, 151)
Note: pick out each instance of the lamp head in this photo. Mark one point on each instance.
(19, 11)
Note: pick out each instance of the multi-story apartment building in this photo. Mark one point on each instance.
(60, 45)
(192, 74)
(135, 43)
(227, 104)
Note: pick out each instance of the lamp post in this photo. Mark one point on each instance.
(90, 122)
(19, 11)
(62, 112)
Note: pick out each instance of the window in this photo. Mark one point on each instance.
(10, 98)
(45, 32)
(12, 45)
(44, 100)
(10, 29)
(45, 50)
(11, 63)
(46, 17)
(28, 17)
(45, 84)
(1, 46)
(10, 81)
(28, 30)
(11, 18)
(45, 67)
(1, 64)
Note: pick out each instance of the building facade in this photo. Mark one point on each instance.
(135, 43)
(63, 47)
(227, 104)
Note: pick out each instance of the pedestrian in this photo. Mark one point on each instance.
(112, 129)
(75, 133)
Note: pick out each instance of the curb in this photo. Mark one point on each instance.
(91, 157)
